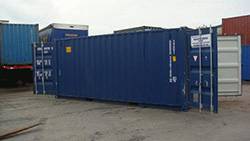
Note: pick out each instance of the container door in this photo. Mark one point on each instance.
(43, 64)
(203, 71)
(229, 62)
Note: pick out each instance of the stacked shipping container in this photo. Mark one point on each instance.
(237, 26)
(240, 26)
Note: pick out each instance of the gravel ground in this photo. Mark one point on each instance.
(75, 120)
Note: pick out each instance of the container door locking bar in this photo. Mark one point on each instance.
(211, 73)
(35, 69)
(200, 71)
(43, 81)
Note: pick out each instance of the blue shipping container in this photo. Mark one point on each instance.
(16, 43)
(44, 68)
(246, 62)
(167, 68)
(59, 31)
(44, 54)
(246, 73)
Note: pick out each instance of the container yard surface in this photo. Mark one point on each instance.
(74, 120)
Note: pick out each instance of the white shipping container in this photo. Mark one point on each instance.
(229, 66)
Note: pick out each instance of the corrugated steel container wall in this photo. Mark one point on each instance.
(16, 43)
(237, 26)
(122, 67)
(246, 62)
(230, 65)
(144, 67)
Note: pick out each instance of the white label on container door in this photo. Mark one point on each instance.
(201, 40)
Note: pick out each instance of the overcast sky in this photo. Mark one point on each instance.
(104, 16)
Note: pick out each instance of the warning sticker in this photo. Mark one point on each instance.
(68, 49)
(195, 58)
(174, 59)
